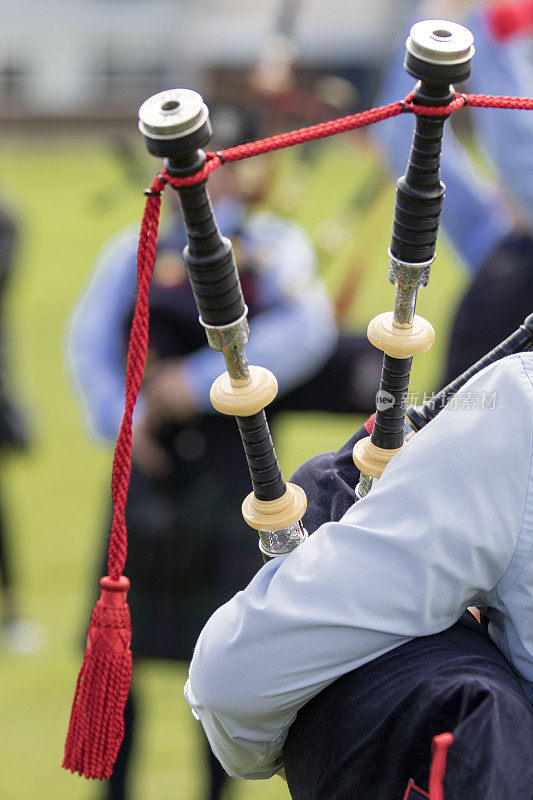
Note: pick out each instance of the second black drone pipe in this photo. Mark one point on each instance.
(267, 480)
(438, 54)
(388, 431)
(417, 211)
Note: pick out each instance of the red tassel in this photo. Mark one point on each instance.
(96, 726)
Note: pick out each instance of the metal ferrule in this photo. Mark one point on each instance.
(363, 487)
(408, 279)
(279, 543)
(230, 340)
(222, 337)
(406, 274)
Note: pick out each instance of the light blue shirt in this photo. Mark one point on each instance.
(449, 525)
(504, 68)
(300, 312)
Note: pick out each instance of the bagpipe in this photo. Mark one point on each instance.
(176, 128)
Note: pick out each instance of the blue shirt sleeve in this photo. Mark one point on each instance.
(95, 337)
(504, 68)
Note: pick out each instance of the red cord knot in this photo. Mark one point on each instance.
(212, 162)
(157, 187)
(109, 629)
(459, 101)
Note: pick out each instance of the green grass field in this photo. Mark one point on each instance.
(71, 196)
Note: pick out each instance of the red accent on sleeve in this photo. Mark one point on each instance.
(509, 18)
(439, 753)
(369, 424)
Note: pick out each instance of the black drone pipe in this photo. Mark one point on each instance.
(176, 127)
(439, 54)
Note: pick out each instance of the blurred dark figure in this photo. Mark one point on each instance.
(189, 548)
(17, 635)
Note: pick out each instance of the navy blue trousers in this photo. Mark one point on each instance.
(368, 733)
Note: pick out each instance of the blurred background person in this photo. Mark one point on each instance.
(189, 549)
(18, 635)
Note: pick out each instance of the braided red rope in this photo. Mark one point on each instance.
(343, 125)
(96, 723)
(499, 101)
(137, 350)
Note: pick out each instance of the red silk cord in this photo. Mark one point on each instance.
(137, 350)
(343, 125)
(96, 725)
